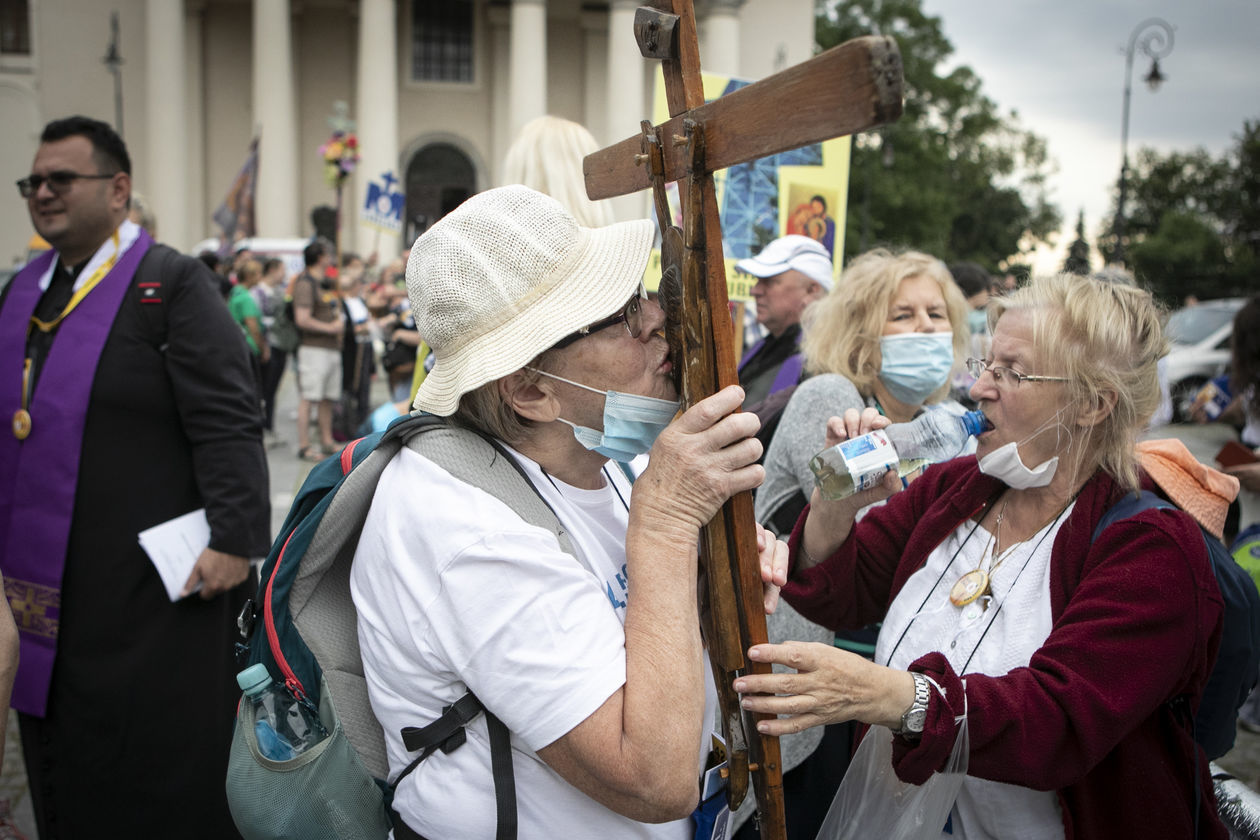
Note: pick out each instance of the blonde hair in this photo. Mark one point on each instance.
(843, 328)
(547, 156)
(141, 213)
(251, 272)
(1106, 339)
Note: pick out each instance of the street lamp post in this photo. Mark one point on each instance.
(1154, 37)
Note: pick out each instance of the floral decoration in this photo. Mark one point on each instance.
(340, 154)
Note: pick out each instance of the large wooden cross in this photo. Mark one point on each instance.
(850, 88)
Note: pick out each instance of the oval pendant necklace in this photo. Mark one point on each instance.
(974, 585)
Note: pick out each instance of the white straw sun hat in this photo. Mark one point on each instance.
(505, 276)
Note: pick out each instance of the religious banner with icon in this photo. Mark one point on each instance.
(802, 191)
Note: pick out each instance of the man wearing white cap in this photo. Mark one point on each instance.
(792, 272)
(544, 339)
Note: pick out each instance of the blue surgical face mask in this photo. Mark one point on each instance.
(915, 364)
(631, 422)
(978, 321)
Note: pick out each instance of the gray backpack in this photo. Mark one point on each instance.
(308, 639)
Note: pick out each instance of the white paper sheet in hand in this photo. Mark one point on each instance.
(174, 547)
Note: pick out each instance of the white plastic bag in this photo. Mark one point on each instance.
(873, 802)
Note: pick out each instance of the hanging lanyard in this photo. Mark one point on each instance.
(1045, 531)
(81, 293)
(22, 417)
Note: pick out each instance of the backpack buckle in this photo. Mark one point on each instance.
(245, 621)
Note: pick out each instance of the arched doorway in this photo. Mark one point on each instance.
(439, 177)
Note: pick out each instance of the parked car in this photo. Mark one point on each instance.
(35, 246)
(289, 250)
(1200, 345)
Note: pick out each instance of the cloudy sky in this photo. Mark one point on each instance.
(1061, 65)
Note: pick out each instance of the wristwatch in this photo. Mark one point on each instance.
(913, 718)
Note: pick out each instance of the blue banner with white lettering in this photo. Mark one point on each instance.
(383, 206)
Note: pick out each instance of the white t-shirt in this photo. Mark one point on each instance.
(455, 592)
(992, 641)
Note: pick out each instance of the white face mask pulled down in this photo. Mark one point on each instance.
(1005, 464)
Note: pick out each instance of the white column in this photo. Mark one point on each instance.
(376, 98)
(499, 20)
(167, 166)
(719, 44)
(626, 99)
(528, 51)
(275, 119)
(199, 225)
(595, 68)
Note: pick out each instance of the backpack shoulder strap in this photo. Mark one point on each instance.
(483, 462)
(361, 464)
(1131, 504)
(152, 288)
(448, 732)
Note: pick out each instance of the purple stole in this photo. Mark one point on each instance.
(751, 351)
(41, 473)
(789, 372)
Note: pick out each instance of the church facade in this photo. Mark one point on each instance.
(436, 90)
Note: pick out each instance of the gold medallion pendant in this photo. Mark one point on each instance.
(21, 423)
(969, 587)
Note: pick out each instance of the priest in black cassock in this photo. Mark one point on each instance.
(131, 401)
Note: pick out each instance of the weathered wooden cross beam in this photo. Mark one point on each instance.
(850, 88)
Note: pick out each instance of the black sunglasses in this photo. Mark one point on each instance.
(631, 315)
(58, 182)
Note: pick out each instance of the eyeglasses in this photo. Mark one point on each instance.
(631, 315)
(1005, 374)
(58, 182)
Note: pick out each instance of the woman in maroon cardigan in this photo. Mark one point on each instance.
(1067, 653)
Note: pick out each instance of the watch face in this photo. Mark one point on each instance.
(915, 718)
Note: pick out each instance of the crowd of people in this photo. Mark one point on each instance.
(973, 596)
(357, 310)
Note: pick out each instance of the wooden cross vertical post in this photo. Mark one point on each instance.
(850, 88)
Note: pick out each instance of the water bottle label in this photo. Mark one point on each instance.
(856, 448)
(864, 458)
(270, 743)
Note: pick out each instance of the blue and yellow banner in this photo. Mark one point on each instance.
(803, 191)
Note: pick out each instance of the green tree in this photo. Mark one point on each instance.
(1184, 254)
(1240, 208)
(1186, 182)
(954, 176)
(1193, 223)
(1077, 261)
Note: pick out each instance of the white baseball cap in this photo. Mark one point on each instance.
(793, 251)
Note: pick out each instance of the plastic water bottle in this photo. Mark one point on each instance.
(860, 463)
(284, 727)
